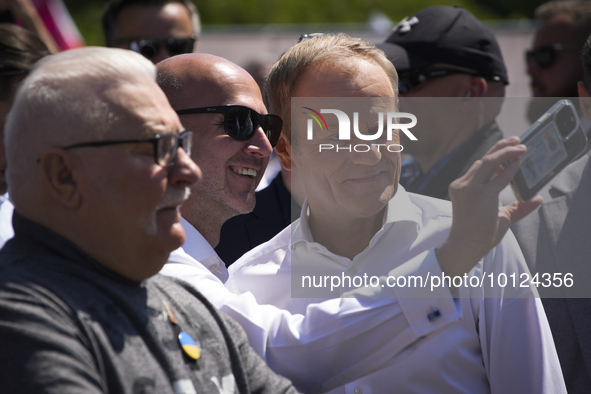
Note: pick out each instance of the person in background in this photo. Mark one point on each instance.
(157, 29)
(25, 12)
(554, 62)
(19, 50)
(452, 77)
(555, 241)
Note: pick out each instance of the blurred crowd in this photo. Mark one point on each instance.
(161, 208)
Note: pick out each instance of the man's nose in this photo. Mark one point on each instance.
(259, 144)
(185, 171)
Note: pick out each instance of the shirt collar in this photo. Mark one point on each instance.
(196, 245)
(399, 209)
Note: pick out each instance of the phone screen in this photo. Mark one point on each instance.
(545, 152)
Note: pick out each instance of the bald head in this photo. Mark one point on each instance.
(231, 168)
(196, 80)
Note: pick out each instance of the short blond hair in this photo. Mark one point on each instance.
(334, 49)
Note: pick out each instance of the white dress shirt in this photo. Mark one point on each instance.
(332, 342)
(500, 345)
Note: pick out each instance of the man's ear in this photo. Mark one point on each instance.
(283, 150)
(584, 100)
(57, 173)
(478, 87)
(475, 88)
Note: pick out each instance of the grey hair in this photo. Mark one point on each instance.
(62, 102)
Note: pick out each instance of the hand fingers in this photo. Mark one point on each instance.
(483, 170)
(511, 141)
(503, 177)
(517, 210)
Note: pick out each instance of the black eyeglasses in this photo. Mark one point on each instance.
(149, 47)
(165, 146)
(241, 122)
(545, 56)
(408, 80)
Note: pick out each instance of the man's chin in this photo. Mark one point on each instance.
(171, 235)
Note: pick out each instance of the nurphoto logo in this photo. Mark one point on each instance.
(344, 122)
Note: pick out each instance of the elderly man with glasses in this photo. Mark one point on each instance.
(98, 166)
(157, 29)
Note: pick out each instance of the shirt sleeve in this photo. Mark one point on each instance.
(338, 340)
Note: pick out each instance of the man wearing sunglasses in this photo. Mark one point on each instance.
(554, 62)
(452, 77)
(97, 177)
(157, 29)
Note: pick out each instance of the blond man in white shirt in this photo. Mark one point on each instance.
(357, 222)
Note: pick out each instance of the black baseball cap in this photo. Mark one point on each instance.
(443, 34)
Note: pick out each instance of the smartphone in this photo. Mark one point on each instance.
(553, 141)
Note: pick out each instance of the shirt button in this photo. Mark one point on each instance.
(353, 271)
(314, 249)
(358, 390)
(212, 267)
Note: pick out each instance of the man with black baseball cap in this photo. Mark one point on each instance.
(446, 52)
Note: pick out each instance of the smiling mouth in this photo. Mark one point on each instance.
(249, 172)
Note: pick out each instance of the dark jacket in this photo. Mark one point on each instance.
(274, 210)
(68, 324)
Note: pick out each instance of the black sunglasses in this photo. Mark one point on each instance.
(165, 146)
(545, 56)
(241, 122)
(408, 80)
(149, 47)
(307, 36)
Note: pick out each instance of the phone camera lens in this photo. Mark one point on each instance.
(566, 121)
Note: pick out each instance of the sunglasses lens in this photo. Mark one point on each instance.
(239, 123)
(272, 125)
(147, 48)
(544, 57)
(178, 46)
